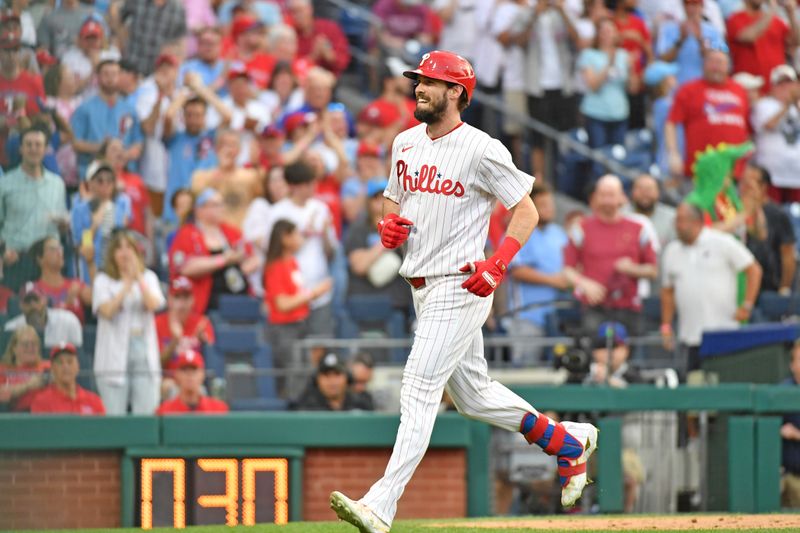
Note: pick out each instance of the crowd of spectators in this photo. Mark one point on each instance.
(158, 156)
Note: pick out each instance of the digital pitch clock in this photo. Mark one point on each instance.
(178, 492)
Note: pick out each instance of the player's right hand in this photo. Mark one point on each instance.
(394, 230)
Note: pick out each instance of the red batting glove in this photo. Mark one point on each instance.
(487, 275)
(394, 230)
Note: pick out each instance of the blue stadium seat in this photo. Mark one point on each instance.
(793, 210)
(370, 312)
(254, 389)
(639, 140)
(572, 169)
(232, 339)
(215, 361)
(235, 308)
(772, 307)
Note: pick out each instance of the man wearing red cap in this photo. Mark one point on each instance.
(64, 395)
(20, 90)
(189, 374)
(249, 41)
(179, 328)
(90, 45)
(447, 175)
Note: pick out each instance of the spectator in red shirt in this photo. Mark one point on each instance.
(64, 395)
(403, 20)
(63, 293)
(760, 40)
(635, 39)
(248, 36)
(190, 374)
(286, 297)
(22, 370)
(712, 109)
(605, 257)
(319, 40)
(180, 328)
(20, 90)
(130, 183)
(211, 253)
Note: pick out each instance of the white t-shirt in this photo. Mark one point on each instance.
(62, 326)
(458, 35)
(512, 17)
(447, 187)
(550, 75)
(311, 219)
(778, 150)
(704, 278)
(254, 109)
(154, 162)
(489, 56)
(79, 63)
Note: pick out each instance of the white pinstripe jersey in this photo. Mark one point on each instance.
(447, 188)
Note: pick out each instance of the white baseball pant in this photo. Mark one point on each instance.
(447, 352)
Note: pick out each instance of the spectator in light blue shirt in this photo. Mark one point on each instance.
(606, 70)
(268, 13)
(660, 78)
(207, 63)
(683, 42)
(536, 278)
(94, 218)
(188, 150)
(105, 115)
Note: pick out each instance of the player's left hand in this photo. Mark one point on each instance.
(486, 277)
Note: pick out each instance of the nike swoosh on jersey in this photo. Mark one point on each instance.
(406, 148)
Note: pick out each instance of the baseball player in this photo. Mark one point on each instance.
(444, 179)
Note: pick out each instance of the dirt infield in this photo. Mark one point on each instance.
(643, 523)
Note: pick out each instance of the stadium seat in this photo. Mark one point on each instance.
(772, 307)
(793, 210)
(250, 384)
(573, 169)
(231, 339)
(374, 312)
(237, 309)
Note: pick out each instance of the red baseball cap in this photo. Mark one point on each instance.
(44, 58)
(166, 59)
(379, 113)
(181, 285)
(62, 347)
(367, 149)
(91, 27)
(271, 132)
(238, 72)
(243, 23)
(190, 358)
(295, 120)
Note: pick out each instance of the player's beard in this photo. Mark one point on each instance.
(433, 114)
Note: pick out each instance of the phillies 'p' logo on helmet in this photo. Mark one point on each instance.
(445, 66)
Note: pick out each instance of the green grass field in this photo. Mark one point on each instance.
(560, 524)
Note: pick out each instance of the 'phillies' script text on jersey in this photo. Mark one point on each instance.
(428, 179)
(448, 187)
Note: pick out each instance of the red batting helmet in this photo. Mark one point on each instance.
(445, 66)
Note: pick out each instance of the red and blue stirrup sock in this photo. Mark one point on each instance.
(553, 439)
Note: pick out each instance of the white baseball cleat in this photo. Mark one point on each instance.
(575, 473)
(357, 514)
